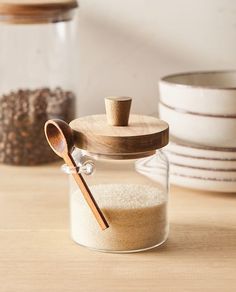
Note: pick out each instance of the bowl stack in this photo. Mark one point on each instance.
(200, 108)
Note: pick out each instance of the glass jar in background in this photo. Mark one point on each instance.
(128, 177)
(36, 69)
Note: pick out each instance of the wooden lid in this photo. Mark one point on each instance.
(97, 134)
(36, 11)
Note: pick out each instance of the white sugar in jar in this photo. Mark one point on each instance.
(137, 215)
(133, 202)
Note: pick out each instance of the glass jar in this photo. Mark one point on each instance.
(36, 69)
(133, 196)
(116, 158)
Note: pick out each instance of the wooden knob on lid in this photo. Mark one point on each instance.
(118, 110)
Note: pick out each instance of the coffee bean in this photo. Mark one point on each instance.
(11, 136)
(23, 114)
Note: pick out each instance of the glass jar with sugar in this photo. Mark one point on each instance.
(120, 159)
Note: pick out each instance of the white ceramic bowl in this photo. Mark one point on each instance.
(183, 148)
(202, 179)
(202, 167)
(208, 179)
(200, 129)
(210, 93)
(204, 163)
(213, 185)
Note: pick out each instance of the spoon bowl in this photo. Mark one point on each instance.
(59, 136)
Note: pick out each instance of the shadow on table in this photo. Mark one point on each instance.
(198, 239)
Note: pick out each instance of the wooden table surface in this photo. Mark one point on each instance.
(37, 254)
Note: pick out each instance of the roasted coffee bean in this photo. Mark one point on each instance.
(11, 136)
(23, 114)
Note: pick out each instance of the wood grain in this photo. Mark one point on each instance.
(23, 5)
(37, 254)
(144, 133)
(36, 11)
(118, 110)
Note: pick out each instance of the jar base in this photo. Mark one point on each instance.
(123, 251)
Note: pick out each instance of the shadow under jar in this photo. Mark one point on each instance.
(36, 69)
(127, 174)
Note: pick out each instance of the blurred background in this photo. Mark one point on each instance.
(126, 46)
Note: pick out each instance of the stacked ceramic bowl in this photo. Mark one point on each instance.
(200, 108)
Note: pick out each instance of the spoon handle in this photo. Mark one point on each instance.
(87, 194)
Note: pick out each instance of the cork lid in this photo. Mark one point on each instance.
(118, 134)
(36, 11)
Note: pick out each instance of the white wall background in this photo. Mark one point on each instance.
(126, 45)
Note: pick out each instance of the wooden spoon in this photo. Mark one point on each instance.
(60, 138)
